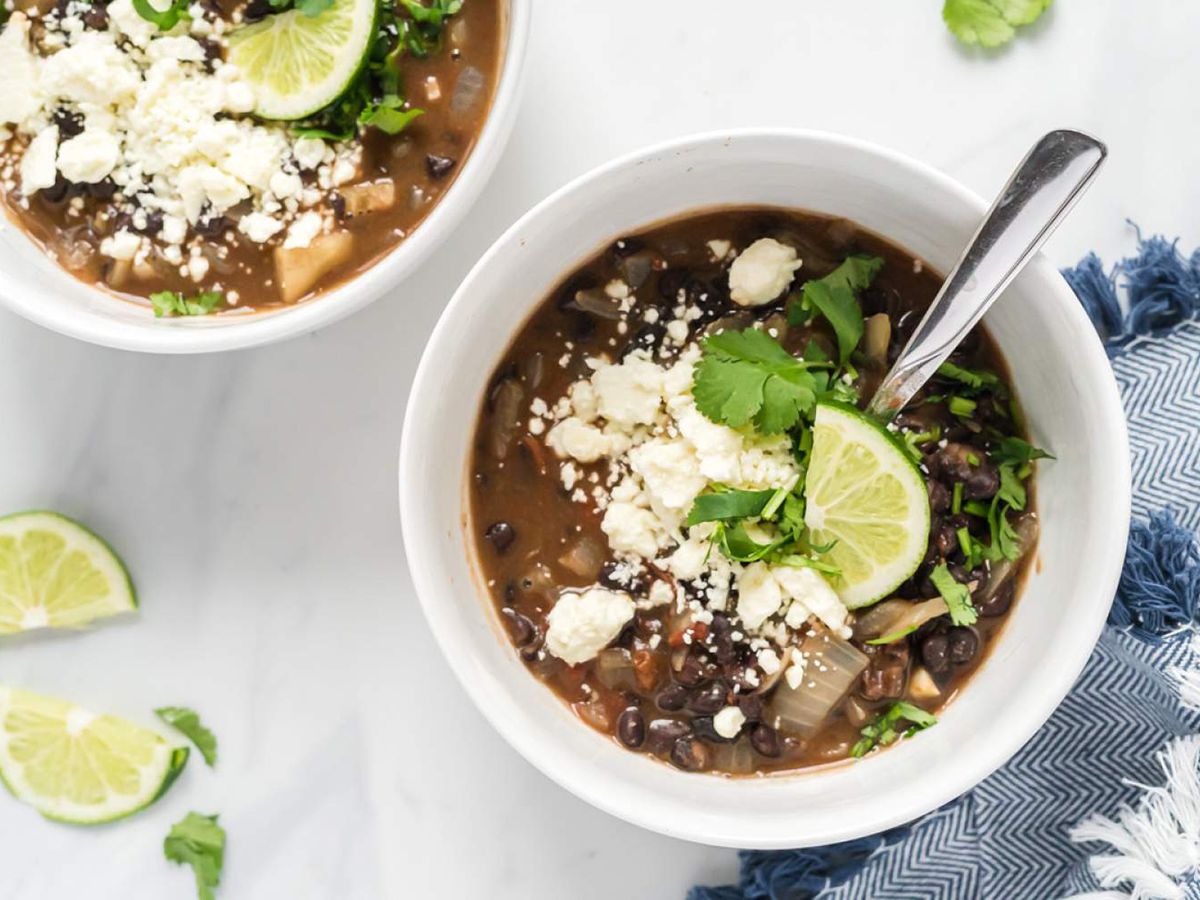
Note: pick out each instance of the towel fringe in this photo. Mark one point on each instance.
(1160, 582)
(1159, 840)
(1161, 286)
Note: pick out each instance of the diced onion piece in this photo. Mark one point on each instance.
(896, 617)
(585, 558)
(833, 667)
(298, 269)
(876, 337)
(597, 303)
(369, 197)
(119, 273)
(614, 668)
(468, 91)
(506, 401)
(1026, 527)
(736, 758)
(922, 686)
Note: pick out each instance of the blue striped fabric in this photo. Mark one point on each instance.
(1010, 837)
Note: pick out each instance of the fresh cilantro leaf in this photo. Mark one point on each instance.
(855, 273)
(840, 308)
(198, 841)
(1016, 451)
(738, 546)
(798, 561)
(1004, 537)
(173, 303)
(729, 504)
(165, 19)
(748, 377)
(421, 33)
(990, 23)
(187, 722)
(1011, 491)
(388, 116)
(975, 379)
(957, 597)
(884, 731)
(791, 518)
(914, 439)
(963, 407)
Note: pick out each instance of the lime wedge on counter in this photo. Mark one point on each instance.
(864, 493)
(298, 64)
(78, 767)
(54, 573)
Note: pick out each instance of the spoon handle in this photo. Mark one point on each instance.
(1039, 194)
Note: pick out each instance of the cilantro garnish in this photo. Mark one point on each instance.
(187, 722)
(729, 504)
(834, 297)
(747, 377)
(976, 379)
(957, 597)
(884, 730)
(198, 841)
(165, 19)
(799, 561)
(990, 23)
(963, 407)
(894, 636)
(1016, 451)
(173, 303)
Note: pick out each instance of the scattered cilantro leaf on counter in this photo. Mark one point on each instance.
(990, 23)
(957, 596)
(728, 504)
(165, 19)
(198, 841)
(747, 377)
(975, 379)
(884, 731)
(173, 303)
(187, 722)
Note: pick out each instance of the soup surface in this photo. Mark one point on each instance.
(657, 551)
(147, 162)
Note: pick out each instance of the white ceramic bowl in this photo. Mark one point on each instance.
(1061, 375)
(38, 289)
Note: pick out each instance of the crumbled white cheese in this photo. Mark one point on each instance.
(37, 165)
(303, 230)
(581, 624)
(633, 529)
(759, 595)
(259, 227)
(585, 443)
(768, 660)
(719, 249)
(89, 156)
(122, 245)
(794, 675)
(17, 72)
(631, 393)
(811, 594)
(309, 152)
(728, 722)
(762, 272)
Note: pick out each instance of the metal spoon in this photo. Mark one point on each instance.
(1035, 200)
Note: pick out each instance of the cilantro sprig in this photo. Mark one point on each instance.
(165, 19)
(834, 297)
(187, 722)
(746, 377)
(887, 729)
(174, 303)
(198, 841)
(957, 596)
(990, 23)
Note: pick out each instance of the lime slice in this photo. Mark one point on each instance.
(54, 573)
(298, 64)
(864, 492)
(74, 766)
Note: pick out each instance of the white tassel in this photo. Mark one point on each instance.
(1159, 841)
(1187, 681)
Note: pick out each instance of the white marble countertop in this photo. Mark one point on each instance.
(253, 494)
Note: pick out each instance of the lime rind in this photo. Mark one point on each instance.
(867, 497)
(299, 64)
(79, 768)
(56, 573)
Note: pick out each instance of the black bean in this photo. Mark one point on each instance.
(212, 226)
(521, 628)
(704, 728)
(673, 697)
(618, 577)
(257, 9)
(648, 337)
(57, 192)
(765, 740)
(69, 123)
(439, 166)
(964, 644)
(631, 728)
(96, 17)
(623, 247)
(935, 653)
(154, 222)
(709, 699)
(939, 496)
(501, 536)
(338, 203)
(663, 733)
(689, 754)
(999, 602)
(693, 671)
(670, 283)
(945, 539)
(102, 190)
(752, 706)
(982, 484)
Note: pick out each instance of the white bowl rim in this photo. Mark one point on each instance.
(258, 328)
(1060, 679)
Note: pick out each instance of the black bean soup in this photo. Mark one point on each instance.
(684, 680)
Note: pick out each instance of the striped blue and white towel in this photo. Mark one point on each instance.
(1104, 802)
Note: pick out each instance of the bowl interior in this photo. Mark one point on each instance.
(1060, 373)
(38, 289)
